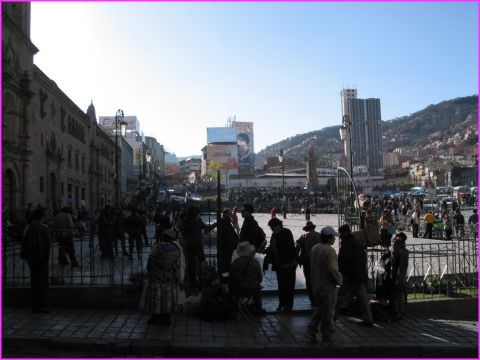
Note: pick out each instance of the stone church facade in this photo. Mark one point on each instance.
(53, 153)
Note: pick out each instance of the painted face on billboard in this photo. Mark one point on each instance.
(243, 143)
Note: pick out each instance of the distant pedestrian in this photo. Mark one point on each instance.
(273, 212)
(163, 293)
(281, 254)
(303, 246)
(307, 213)
(63, 229)
(235, 220)
(414, 221)
(325, 278)
(284, 211)
(28, 213)
(428, 219)
(352, 262)
(473, 223)
(106, 232)
(35, 249)
(135, 224)
(386, 223)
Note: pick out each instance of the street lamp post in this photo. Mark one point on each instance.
(280, 158)
(123, 127)
(346, 132)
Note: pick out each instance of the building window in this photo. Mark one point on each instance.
(42, 184)
(76, 161)
(62, 188)
(69, 158)
(83, 163)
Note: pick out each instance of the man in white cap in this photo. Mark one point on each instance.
(325, 277)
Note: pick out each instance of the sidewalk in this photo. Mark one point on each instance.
(67, 332)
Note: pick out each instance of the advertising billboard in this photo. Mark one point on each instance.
(245, 144)
(221, 135)
(220, 157)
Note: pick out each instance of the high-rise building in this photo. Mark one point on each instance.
(366, 131)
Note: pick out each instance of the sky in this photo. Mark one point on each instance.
(183, 67)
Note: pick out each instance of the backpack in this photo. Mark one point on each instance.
(260, 240)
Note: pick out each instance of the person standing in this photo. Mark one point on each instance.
(385, 223)
(399, 258)
(352, 262)
(35, 249)
(473, 223)
(135, 224)
(191, 230)
(428, 219)
(235, 220)
(414, 221)
(281, 254)
(63, 227)
(227, 240)
(251, 231)
(163, 293)
(325, 278)
(307, 213)
(303, 246)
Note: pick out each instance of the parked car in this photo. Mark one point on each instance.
(430, 205)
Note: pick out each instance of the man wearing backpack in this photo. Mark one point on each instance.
(251, 231)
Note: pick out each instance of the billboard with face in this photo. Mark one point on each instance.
(246, 152)
(220, 157)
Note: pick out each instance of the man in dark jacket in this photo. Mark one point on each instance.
(281, 254)
(35, 250)
(251, 231)
(303, 246)
(227, 240)
(135, 223)
(352, 263)
(63, 226)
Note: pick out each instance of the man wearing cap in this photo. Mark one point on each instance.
(325, 277)
(303, 246)
(352, 262)
(246, 275)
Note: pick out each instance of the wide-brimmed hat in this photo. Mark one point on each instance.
(245, 249)
(309, 226)
(170, 234)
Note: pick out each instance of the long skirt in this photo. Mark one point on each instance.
(161, 298)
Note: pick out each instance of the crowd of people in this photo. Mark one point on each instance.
(177, 264)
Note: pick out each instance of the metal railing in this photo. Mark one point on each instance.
(447, 268)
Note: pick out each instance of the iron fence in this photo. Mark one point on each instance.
(448, 268)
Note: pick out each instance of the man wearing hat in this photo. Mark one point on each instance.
(303, 246)
(325, 277)
(245, 276)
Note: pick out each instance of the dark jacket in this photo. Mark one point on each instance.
(352, 260)
(245, 274)
(281, 252)
(249, 230)
(36, 243)
(227, 238)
